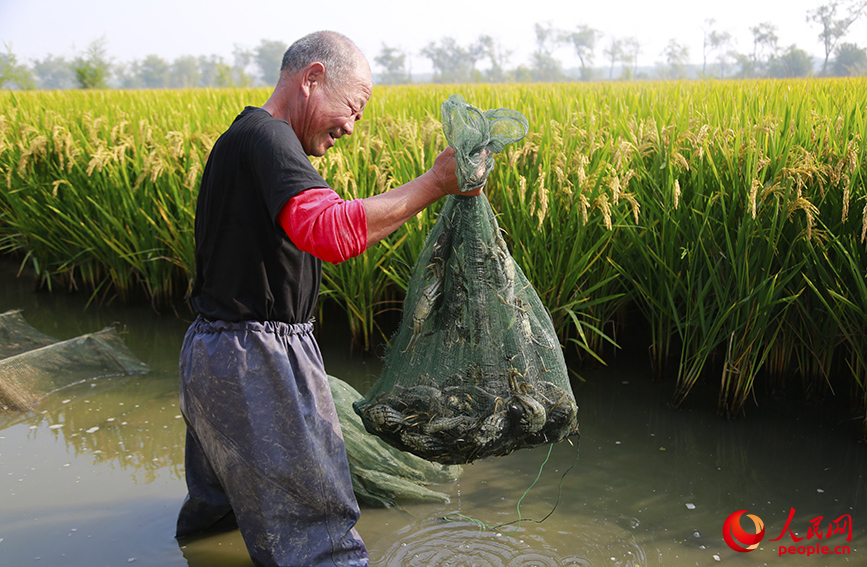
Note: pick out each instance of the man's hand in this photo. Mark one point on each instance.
(445, 173)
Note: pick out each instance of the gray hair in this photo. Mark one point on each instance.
(335, 51)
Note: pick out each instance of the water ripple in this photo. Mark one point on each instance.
(463, 544)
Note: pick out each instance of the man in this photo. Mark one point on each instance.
(264, 447)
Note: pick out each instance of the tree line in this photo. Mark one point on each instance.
(600, 57)
(486, 60)
(95, 69)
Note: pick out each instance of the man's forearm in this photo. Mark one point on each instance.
(387, 211)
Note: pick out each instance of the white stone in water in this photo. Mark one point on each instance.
(55, 426)
(92, 429)
(690, 506)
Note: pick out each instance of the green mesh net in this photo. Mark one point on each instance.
(477, 135)
(33, 364)
(475, 368)
(382, 475)
(17, 336)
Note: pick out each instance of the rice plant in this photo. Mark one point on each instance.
(731, 217)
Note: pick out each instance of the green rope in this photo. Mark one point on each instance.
(457, 516)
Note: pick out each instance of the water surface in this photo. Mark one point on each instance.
(93, 475)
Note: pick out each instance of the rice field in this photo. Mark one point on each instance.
(727, 221)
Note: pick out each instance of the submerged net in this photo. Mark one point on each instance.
(475, 368)
(17, 336)
(34, 364)
(382, 475)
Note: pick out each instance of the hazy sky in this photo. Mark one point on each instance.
(170, 28)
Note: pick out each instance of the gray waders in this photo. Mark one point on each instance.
(264, 446)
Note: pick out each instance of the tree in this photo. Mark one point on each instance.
(240, 74)
(497, 56)
(185, 73)
(613, 54)
(584, 42)
(543, 65)
(127, 75)
(676, 58)
(154, 72)
(393, 62)
(851, 60)
(522, 74)
(451, 62)
(764, 41)
(630, 47)
(269, 58)
(721, 42)
(746, 64)
(215, 71)
(706, 44)
(53, 73)
(791, 63)
(12, 74)
(764, 49)
(715, 42)
(834, 28)
(92, 68)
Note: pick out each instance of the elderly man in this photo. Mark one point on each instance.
(264, 449)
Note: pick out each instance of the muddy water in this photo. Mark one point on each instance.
(94, 474)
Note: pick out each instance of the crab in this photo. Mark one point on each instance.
(506, 260)
(561, 420)
(526, 410)
(504, 269)
(490, 428)
(385, 417)
(437, 265)
(455, 426)
(421, 444)
(451, 316)
(422, 311)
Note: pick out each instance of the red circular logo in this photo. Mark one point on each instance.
(738, 538)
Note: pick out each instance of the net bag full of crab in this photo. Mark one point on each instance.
(475, 368)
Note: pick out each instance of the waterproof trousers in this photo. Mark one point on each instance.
(264, 445)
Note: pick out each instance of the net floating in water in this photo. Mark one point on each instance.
(475, 368)
(382, 475)
(33, 364)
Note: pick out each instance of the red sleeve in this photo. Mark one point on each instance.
(318, 221)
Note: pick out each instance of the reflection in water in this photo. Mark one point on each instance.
(128, 423)
(225, 549)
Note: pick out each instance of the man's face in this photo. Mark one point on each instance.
(332, 112)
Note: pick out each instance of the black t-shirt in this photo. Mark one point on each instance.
(247, 269)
